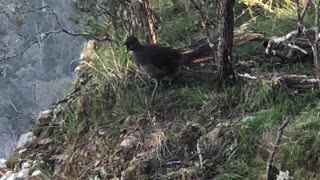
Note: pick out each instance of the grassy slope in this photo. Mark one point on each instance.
(232, 128)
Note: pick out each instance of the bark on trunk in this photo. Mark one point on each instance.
(224, 49)
(145, 19)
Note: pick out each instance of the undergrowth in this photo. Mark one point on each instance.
(250, 109)
(190, 113)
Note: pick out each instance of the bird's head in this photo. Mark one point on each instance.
(132, 43)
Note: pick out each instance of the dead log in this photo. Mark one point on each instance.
(293, 47)
(202, 51)
(292, 81)
(300, 81)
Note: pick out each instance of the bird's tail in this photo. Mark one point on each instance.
(198, 53)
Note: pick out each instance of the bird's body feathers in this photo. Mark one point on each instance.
(157, 61)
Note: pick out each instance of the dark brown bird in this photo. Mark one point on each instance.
(155, 60)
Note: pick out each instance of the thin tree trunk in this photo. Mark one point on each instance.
(299, 20)
(152, 32)
(224, 49)
(145, 19)
(315, 47)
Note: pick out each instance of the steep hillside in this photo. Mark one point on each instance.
(104, 128)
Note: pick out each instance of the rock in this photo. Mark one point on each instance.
(36, 173)
(24, 139)
(25, 165)
(2, 163)
(8, 176)
(77, 69)
(13, 176)
(284, 176)
(129, 142)
(23, 173)
(44, 114)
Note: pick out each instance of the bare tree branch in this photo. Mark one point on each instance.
(299, 20)
(13, 52)
(305, 10)
(270, 165)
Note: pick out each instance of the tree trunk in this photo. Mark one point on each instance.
(145, 19)
(224, 48)
(315, 47)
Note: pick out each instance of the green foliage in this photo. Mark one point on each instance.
(301, 153)
(92, 27)
(247, 51)
(246, 109)
(252, 126)
(263, 95)
(271, 25)
(46, 172)
(120, 96)
(277, 18)
(251, 130)
(180, 28)
(239, 170)
(299, 68)
(113, 63)
(196, 96)
(120, 102)
(69, 123)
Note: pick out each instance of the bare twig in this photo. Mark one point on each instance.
(247, 76)
(13, 52)
(204, 18)
(62, 29)
(292, 81)
(199, 153)
(299, 20)
(270, 165)
(304, 12)
(292, 46)
(48, 10)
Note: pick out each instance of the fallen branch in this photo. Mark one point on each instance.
(290, 41)
(270, 167)
(290, 81)
(201, 51)
(199, 153)
(300, 81)
(247, 76)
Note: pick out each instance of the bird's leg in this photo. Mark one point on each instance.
(156, 81)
